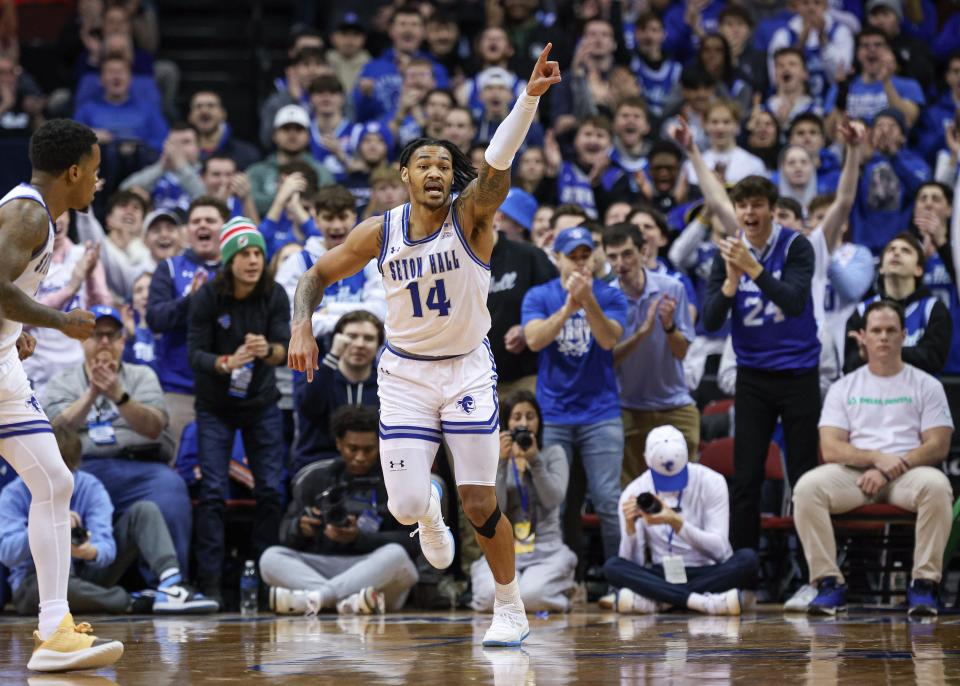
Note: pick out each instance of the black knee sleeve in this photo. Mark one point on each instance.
(489, 527)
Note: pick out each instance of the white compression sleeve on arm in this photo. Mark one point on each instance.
(511, 132)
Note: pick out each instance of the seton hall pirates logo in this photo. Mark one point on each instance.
(467, 404)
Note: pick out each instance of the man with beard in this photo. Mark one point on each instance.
(174, 283)
(214, 134)
(291, 134)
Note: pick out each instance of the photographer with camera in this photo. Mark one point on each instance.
(681, 513)
(339, 545)
(531, 485)
(102, 548)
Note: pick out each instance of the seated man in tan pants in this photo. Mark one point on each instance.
(883, 430)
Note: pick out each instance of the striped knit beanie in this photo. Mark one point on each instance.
(237, 234)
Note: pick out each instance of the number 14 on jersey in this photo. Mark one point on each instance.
(436, 299)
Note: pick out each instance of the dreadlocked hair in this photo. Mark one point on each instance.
(463, 169)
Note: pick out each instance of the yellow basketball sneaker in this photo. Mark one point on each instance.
(72, 646)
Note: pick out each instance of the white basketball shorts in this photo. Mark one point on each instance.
(20, 412)
(453, 399)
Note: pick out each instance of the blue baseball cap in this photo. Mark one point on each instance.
(520, 206)
(666, 456)
(569, 239)
(101, 311)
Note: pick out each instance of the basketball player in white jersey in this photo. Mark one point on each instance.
(65, 158)
(436, 376)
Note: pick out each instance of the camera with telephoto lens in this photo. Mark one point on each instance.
(522, 437)
(78, 535)
(649, 503)
(332, 505)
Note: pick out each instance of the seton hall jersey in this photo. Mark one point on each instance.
(763, 336)
(436, 288)
(31, 278)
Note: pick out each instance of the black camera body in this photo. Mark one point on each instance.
(331, 502)
(332, 505)
(649, 503)
(523, 437)
(79, 535)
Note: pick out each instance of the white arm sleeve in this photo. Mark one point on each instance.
(510, 134)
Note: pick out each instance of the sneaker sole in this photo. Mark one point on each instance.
(818, 611)
(198, 609)
(506, 644)
(923, 611)
(44, 660)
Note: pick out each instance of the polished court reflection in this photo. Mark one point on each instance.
(586, 647)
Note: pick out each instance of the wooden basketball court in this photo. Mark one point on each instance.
(585, 647)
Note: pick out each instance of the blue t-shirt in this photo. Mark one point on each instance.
(576, 383)
(865, 100)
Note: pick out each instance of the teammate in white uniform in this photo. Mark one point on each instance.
(437, 377)
(65, 159)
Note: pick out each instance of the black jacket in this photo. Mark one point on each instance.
(361, 492)
(515, 268)
(316, 402)
(929, 353)
(218, 325)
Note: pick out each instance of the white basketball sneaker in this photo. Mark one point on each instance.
(627, 602)
(368, 601)
(436, 541)
(287, 601)
(509, 626)
(726, 603)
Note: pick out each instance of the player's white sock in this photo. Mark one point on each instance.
(507, 594)
(52, 613)
(37, 460)
(434, 514)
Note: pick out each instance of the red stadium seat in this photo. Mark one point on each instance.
(718, 407)
(718, 456)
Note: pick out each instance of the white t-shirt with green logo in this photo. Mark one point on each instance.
(886, 413)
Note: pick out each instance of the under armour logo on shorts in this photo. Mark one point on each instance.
(397, 466)
(467, 404)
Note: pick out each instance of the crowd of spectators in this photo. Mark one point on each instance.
(749, 185)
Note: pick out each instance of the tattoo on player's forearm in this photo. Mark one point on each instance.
(492, 186)
(20, 307)
(308, 296)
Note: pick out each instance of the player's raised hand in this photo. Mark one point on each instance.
(303, 353)
(682, 134)
(545, 74)
(852, 132)
(78, 324)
